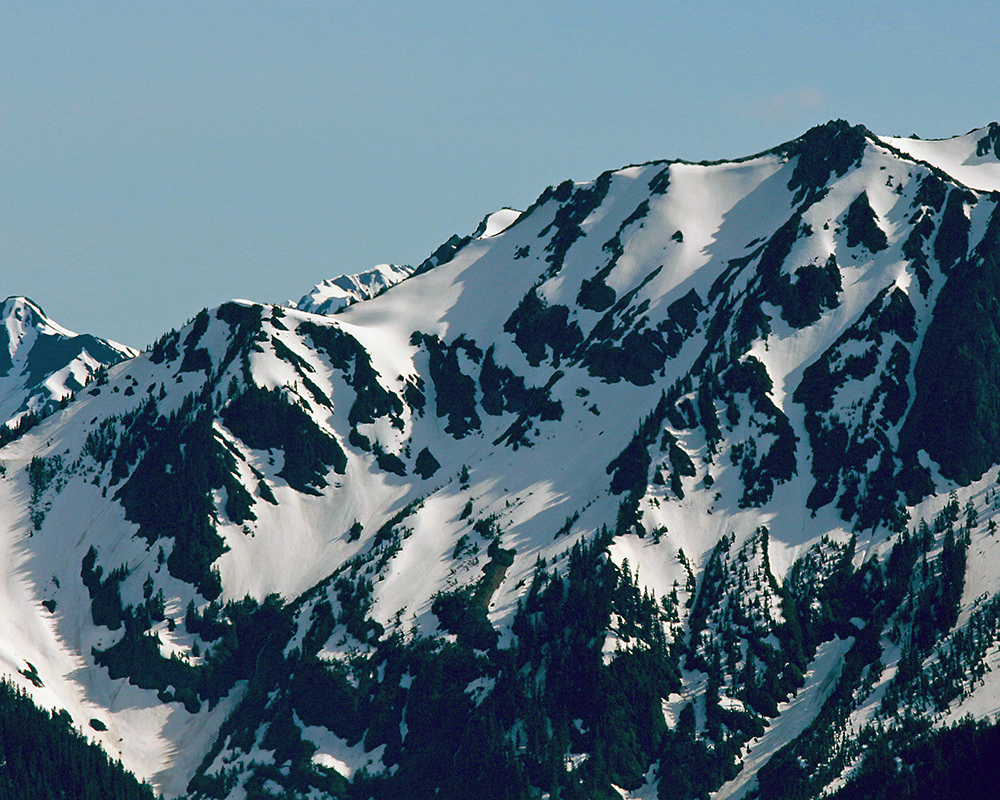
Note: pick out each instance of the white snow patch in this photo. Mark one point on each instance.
(334, 753)
(497, 222)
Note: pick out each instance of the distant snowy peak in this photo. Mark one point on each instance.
(42, 363)
(973, 158)
(20, 314)
(335, 294)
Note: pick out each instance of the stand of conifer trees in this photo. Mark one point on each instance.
(43, 757)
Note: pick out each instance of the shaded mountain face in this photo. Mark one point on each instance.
(681, 481)
(42, 364)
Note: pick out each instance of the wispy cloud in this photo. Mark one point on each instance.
(782, 107)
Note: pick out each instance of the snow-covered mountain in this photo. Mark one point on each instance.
(335, 294)
(42, 364)
(682, 481)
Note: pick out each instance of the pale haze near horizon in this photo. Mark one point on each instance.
(157, 158)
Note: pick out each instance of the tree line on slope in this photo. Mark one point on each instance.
(43, 757)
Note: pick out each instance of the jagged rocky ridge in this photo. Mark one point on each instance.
(682, 483)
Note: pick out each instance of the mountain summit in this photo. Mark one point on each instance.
(680, 482)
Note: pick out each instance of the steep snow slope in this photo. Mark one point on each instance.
(973, 159)
(670, 433)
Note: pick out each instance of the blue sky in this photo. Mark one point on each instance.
(158, 157)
